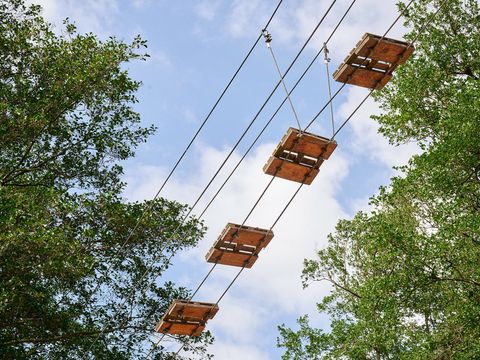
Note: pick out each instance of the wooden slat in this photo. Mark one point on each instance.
(194, 310)
(361, 77)
(298, 158)
(246, 235)
(371, 64)
(387, 49)
(180, 328)
(231, 246)
(307, 144)
(290, 171)
(232, 258)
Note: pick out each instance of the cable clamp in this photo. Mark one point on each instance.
(267, 36)
(326, 52)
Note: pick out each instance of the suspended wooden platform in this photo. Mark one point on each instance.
(239, 245)
(299, 156)
(371, 63)
(186, 318)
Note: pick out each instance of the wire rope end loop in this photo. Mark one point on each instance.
(267, 36)
(326, 52)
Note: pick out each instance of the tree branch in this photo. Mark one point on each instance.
(71, 335)
(351, 292)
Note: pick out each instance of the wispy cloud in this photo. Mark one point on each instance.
(207, 9)
(245, 16)
(295, 21)
(90, 15)
(365, 132)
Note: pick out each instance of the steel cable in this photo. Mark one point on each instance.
(335, 133)
(236, 145)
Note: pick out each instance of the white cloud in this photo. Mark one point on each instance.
(295, 21)
(366, 140)
(139, 3)
(271, 291)
(95, 16)
(207, 10)
(160, 58)
(245, 15)
(234, 351)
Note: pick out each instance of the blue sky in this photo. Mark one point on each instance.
(195, 47)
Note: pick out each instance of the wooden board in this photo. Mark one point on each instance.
(305, 144)
(361, 77)
(246, 235)
(387, 49)
(239, 245)
(371, 63)
(290, 170)
(192, 310)
(190, 329)
(231, 258)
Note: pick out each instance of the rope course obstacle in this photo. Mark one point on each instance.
(138, 283)
(297, 158)
(406, 48)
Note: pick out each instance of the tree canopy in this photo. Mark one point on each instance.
(406, 276)
(67, 274)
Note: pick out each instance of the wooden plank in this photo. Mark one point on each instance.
(299, 158)
(189, 329)
(232, 258)
(194, 310)
(246, 235)
(186, 318)
(371, 64)
(290, 171)
(361, 77)
(306, 144)
(231, 246)
(388, 50)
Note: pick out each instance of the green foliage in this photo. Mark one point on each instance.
(406, 277)
(66, 120)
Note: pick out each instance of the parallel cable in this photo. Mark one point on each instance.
(264, 128)
(279, 107)
(149, 207)
(217, 102)
(275, 113)
(335, 133)
(246, 261)
(262, 107)
(268, 99)
(240, 139)
(265, 103)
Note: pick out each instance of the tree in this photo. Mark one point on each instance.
(406, 277)
(67, 274)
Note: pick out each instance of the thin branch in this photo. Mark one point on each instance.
(72, 335)
(351, 292)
